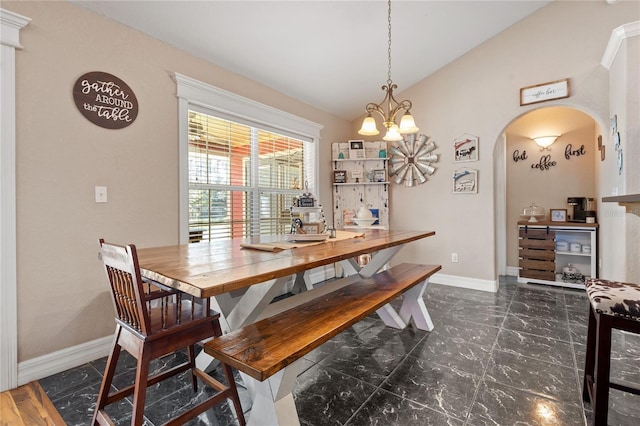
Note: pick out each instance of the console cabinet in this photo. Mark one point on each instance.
(561, 254)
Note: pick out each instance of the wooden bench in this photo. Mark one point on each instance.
(266, 347)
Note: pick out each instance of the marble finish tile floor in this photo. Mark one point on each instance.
(505, 358)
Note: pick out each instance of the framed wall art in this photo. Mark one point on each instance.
(544, 92)
(380, 175)
(339, 176)
(465, 181)
(465, 148)
(558, 215)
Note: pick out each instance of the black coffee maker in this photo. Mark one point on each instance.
(582, 209)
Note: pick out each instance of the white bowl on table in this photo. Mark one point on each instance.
(364, 221)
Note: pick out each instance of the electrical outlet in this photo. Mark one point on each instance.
(454, 257)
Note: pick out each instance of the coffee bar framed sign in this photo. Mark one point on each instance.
(544, 92)
(105, 100)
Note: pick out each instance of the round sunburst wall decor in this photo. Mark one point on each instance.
(412, 160)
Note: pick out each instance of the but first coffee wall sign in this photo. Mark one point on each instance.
(105, 100)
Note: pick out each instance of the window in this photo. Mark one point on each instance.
(223, 191)
(239, 175)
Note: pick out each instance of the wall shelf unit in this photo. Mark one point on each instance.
(547, 248)
(359, 182)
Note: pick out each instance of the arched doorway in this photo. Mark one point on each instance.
(524, 174)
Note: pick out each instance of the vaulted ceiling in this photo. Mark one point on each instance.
(329, 54)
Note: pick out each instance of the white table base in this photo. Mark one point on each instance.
(273, 402)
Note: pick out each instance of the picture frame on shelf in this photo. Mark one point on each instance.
(380, 175)
(348, 215)
(312, 227)
(339, 176)
(357, 175)
(558, 215)
(356, 150)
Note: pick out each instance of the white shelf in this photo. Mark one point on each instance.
(554, 283)
(306, 209)
(365, 227)
(361, 183)
(573, 253)
(362, 159)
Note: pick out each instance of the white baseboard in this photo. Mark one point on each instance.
(465, 282)
(56, 362)
(322, 273)
(513, 271)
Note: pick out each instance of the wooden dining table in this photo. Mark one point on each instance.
(243, 282)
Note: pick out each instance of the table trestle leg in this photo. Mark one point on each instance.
(273, 398)
(413, 308)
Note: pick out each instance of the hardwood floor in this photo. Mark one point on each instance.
(28, 405)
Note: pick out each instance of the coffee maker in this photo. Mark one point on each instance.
(582, 209)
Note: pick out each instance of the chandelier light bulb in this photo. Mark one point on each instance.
(393, 135)
(408, 124)
(369, 127)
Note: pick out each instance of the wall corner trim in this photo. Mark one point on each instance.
(615, 41)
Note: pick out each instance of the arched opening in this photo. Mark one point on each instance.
(525, 173)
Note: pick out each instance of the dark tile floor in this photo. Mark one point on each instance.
(513, 357)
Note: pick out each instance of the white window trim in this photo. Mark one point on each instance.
(234, 107)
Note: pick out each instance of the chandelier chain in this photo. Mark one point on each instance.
(389, 109)
(389, 48)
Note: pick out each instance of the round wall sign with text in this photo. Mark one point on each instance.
(105, 100)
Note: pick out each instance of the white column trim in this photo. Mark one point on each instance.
(615, 41)
(10, 26)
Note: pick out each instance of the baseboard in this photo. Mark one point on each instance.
(322, 273)
(514, 271)
(465, 282)
(56, 362)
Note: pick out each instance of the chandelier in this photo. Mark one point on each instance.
(393, 108)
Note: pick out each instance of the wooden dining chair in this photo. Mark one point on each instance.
(153, 321)
(613, 305)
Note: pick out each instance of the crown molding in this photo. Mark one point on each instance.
(10, 25)
(618, 35)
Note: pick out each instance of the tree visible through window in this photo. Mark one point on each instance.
(242, 179)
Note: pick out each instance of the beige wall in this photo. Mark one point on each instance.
(61, 157)
(549, 189)
(479, 94)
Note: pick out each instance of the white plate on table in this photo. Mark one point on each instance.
(307, 237)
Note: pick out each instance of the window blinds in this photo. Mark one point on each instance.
(242, 179)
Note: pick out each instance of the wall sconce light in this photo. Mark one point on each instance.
(544, 142)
